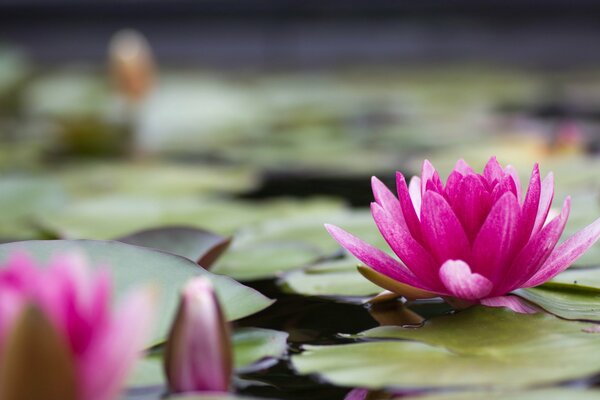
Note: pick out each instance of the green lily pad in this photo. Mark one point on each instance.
(264, 260)
(541, 394)
(565, 300)
(154, 179)
(337, 278)
(479, 347)
(88, 219)
(23, 200)
(133, 266)
(250, 345)
(585, 277)
(280, 245)
(198, 245)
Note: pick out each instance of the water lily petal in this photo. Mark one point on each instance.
(394, 286)
(462, 167)
(566, 253)
(494, 246)
(118, 349)
(408, 208)
(430, 174)
(515, 303)
(530, 205)
(535, 252)
(493, 171)
(386, 199)
(472, 205)
(462, 283)
(510, 170)
(412, 254)
(442, 231)
(546, 196)
(414, 190)
(373, 257)
(505, 185)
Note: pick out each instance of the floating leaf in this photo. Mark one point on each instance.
(22, 200)
(565, 300)
(264, 260)
(329, 278)
(88, 219)
(198, 245)
(541, 394)
(477, 347)
(251, 345)
(280, 245)
(133, 265)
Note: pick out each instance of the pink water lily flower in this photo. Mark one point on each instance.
(471, 240)
(64, 310)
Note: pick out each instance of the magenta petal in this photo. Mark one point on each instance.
(429, 174)
(535, 252)
(452, 189)
(462, 283)
(546, 195)
(565, 254)
(414, 256)
(530, 205)
(386, 199)
(408, 209)
(493, 171)
(442, 231)
(510, 170)
(515, 303)
(373, 257)
(414, 190)
(495, 243)
(462, 167)
(472, 205)
(505, 185)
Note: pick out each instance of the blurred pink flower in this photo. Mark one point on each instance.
(101, 345)
(198, 355)
(471, 240)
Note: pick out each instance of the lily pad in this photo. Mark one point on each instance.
(198, 245)
(264, 260)
(22, 200)
(336, 278)
(110, 216)
(134, 266)
(280, 245)
(479, 347)
(565, 300)
(250, 346)
(541, 394)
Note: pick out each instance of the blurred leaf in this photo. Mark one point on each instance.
(539, 394)
(198, 245)
(133, 266)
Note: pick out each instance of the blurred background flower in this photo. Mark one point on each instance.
(59, 337)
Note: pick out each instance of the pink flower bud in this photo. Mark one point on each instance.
(198, 356)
